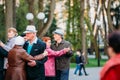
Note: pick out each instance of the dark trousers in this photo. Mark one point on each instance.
(82, 66)
(1, 75)
(35, 78)
(49, 78)
(62, 74)
(3, 53)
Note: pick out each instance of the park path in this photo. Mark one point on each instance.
(93, 74)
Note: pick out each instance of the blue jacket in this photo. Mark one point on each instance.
(77, 58)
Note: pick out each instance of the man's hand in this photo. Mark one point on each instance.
(45, 53)
(66, 49)
(32, 63)
(7, 65)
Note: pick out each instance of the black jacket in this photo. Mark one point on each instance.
(37, 72)
(82, 59)
(3, 53)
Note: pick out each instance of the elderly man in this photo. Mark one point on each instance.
(63, 62)
(34, 46)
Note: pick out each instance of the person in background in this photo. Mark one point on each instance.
(63, 62)
(111, 70)
(77, 58)
(34, 46)
(4, 48)
(50, 71)
(16, 60)
(82, 64)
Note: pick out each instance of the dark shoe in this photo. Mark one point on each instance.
(74, 73)
(80, 74)
(86, 74)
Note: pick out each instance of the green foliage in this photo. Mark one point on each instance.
(92, 63)
(2, 23)
(21, 21)
(73, 57)
(73, 33)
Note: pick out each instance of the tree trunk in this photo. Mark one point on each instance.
(105, 27)
(31, 10)
(44, 29)
(41, 22)
(8, 14)
(82, 26)
(109, 16)
(14, 13)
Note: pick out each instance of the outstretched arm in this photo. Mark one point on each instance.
(57, 53)
(41, 56)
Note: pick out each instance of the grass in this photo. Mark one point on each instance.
(91, 63)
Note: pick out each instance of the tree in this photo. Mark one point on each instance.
(21, 21)
(82, 26)
(43, 30)
(31, 9)
(73, 31)
(109, 17)
(9, 13)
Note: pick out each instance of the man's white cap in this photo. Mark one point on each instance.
(19, 40)
(59, 31)
(30, 28)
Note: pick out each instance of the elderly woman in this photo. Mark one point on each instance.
(16, 60)
(4, 48)
(111, 70)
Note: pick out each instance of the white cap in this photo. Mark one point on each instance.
(59, 31)
(30, 28)
(19, 40)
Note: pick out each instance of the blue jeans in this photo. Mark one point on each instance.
(62, 74)
(77, 68)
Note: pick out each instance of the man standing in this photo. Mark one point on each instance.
(63, 62)
(34, 46)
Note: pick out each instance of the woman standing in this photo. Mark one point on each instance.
(4, 48)
(16, 60)
(111, 70)
(50, 63)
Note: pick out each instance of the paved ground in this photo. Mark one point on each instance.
(93, 74)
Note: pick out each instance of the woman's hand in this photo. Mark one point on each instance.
(66, 49)
(2, 44)
(32, 63)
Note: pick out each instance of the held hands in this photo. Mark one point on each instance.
(66, 49)
(41, 56)
(32, 63)
(45, 53)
